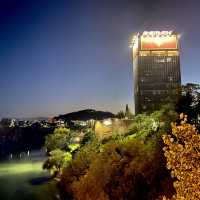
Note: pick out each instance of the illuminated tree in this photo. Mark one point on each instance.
(56, 160)
(58, 140)
(60, 148)
(183, 159)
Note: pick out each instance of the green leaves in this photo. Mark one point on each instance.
(73, 147)
(58, 140)
(61, 148)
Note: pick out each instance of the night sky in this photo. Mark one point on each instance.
(60, 56)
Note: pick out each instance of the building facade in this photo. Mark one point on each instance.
(156, 69)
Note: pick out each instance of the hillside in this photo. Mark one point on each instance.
(85, 115)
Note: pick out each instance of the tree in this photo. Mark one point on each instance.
(120, 115)
(128, 113)
(155, 123)
(60, 139)
(56, 160)
(182, 151)
(5, 122)
(60, 149)
(88, 137)
(189, 102)
(121, 170)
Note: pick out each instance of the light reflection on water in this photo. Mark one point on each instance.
(24, 179)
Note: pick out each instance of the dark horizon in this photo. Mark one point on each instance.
(59, 57)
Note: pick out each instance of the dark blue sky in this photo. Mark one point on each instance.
(60, 56)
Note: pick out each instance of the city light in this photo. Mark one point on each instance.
(134, 41)
(107, 122)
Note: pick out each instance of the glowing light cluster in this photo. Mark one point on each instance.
(134, 41)
(107, 122)
(157, 33)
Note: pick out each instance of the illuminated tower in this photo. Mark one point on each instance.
(156, 68)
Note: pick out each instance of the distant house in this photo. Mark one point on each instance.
(61, 123)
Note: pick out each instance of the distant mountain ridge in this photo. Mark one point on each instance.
(34, 118)
(85, 115)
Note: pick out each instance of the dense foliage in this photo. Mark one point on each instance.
(60, 147)
(183, 159)
(155, 123)
(189, 102)
(124, 167)
(58, 140)
(131, 165)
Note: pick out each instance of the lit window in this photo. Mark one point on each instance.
(144, 106)
(169, 59)
(158, 53)
(170, 78)
(172, 53)
(160, 60)
(147, 99)
(144, 53)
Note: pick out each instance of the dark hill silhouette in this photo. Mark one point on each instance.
(85, 115)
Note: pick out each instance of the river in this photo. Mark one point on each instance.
(22, 178)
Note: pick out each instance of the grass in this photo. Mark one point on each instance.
(16, 182)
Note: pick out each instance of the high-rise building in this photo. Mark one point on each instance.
(156, 68)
